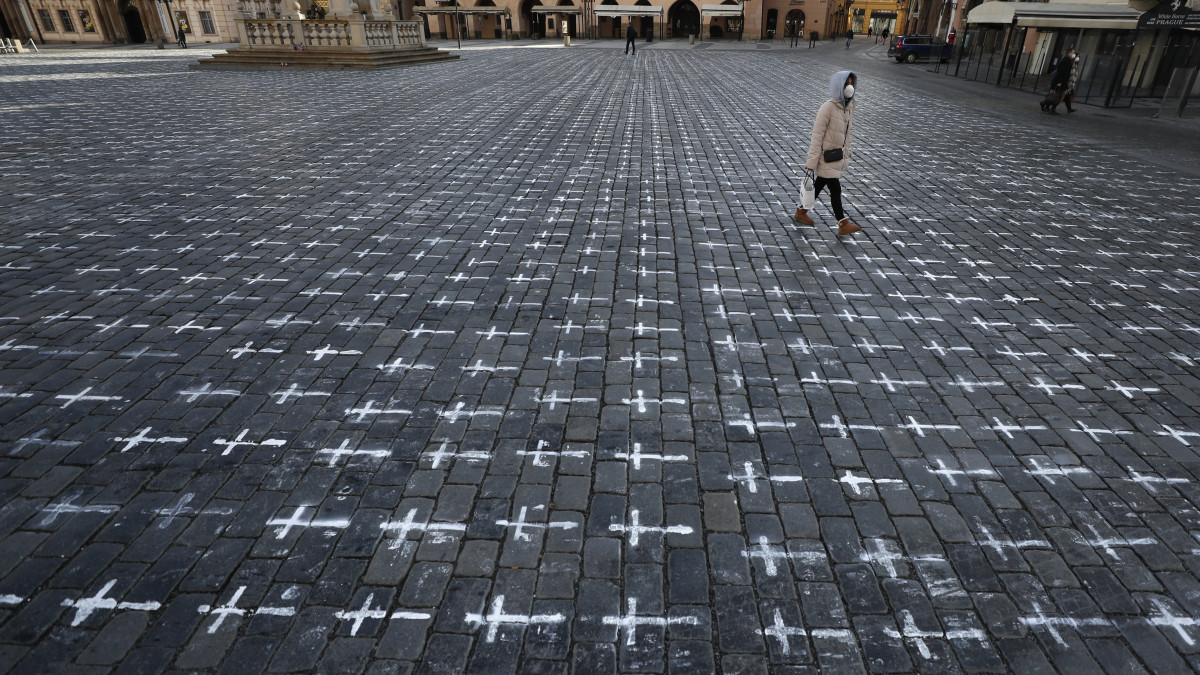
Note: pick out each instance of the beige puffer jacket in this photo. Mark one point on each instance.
(832, 129)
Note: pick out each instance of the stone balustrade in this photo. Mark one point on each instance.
(330, 34)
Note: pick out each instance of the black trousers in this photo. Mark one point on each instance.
(629, 42)
(835, 194)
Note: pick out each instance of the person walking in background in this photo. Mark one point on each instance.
(829, 148)
(812, 39)
(182, 37)
(630, 39)
(1065, 76)
(849, 37)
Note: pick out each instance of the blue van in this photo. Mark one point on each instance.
(909, 48)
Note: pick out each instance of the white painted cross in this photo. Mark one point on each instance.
(400, 366)
(496, 617)
(637, 456)
(781, 632)
(328, 350)
(630, 621)
(83, 396)
(369, 408)
(1106, 544)
(1128, 391)
(919, 428)
(753, 427)
(344, 450)
(231, 608)
(401, 528)
(910, 632)
(53, 511)
(240, 440)
(520, 524)
(1180, 435)
(538, 453)
(641, 401)
(459, 412)
(634, 530)
(1001, 545)
(638, 358)
(297, 519)
(1048, 387)
(771, 555)
(142, 437)
(191, 395)
(856, 482)
(294, 392)
(1007, 429)
(85, 607)
(750, 477)
(1053, 623)
(358, 616)
(442, 453)
(891, 384)
(180, 508)
(10, 599)
(1050, 473)
(1095, 434)
(952, 474)
(1168, 619)
(554, 399)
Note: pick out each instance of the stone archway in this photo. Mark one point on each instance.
(793, 23)
(534, 24)
(684, 19)
(134, 28)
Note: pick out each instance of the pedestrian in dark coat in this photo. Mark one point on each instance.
(182, 38)
(849, 37)
(630, 39)
(812, 39)
(1065, 75)
(832, 131)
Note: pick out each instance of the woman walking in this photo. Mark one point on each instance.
(829, 149)
(1065, 76)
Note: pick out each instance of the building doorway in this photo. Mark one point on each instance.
(133, 26)
(534, 26)
(684, 19)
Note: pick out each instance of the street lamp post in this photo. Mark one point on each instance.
(174, 28)
(457, 24)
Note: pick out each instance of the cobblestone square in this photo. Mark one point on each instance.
(518, 363)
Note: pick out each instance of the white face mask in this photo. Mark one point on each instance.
(848, 92)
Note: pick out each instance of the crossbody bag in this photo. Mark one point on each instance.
(836, 154)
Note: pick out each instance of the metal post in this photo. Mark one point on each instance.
(457, 26)
(33, 18)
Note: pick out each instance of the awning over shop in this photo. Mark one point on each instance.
(721, 10)
(561, 9)
(461, 10)
(1056, 15)
(628, 10)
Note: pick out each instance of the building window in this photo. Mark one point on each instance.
(85, 20)
(181, 17)
(47, 20)
(206, 23)
(64, 17)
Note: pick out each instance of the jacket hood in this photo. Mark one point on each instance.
(837, 83)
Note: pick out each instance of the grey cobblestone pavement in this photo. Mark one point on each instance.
(518, 363)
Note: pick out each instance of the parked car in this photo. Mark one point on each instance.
(909, 48)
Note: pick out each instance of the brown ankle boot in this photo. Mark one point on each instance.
(802, 217)
(847, 227)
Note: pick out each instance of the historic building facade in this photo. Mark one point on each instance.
(119, 21)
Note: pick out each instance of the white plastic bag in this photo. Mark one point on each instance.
(808, 192)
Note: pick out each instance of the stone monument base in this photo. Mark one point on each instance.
(270, 44)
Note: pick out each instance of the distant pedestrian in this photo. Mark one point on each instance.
(630, 39)
(812, 39)
(1066, 73)
(829, 149)
(849, 37)
(885, 35)
(182, 37)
